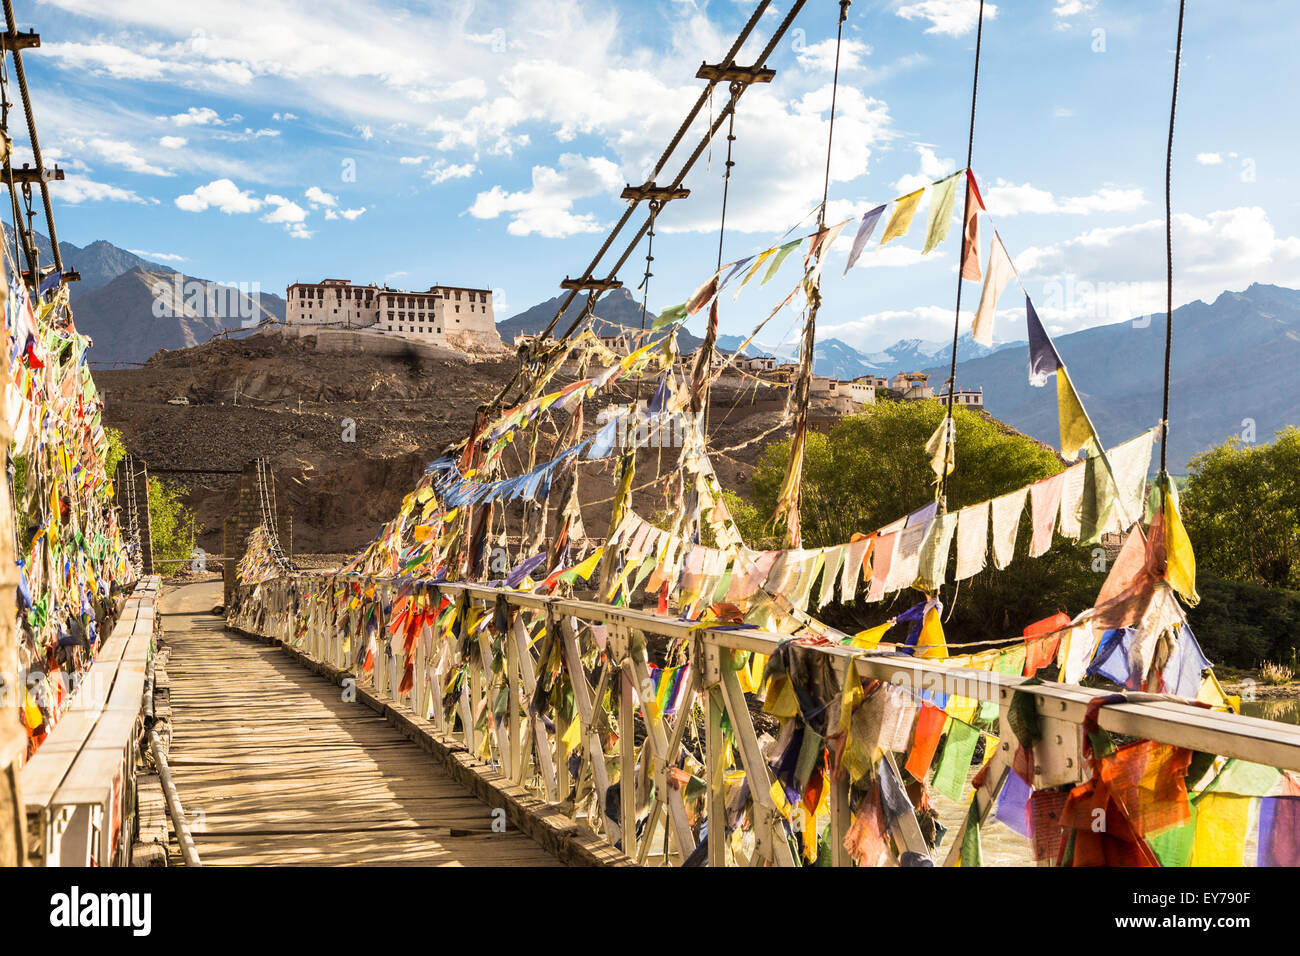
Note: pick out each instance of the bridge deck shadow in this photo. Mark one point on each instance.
(274, 767)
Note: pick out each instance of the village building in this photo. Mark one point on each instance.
(454, 316)
(757, 363)
(965, 398)
(912, 385)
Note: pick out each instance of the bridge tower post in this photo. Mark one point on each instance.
(238, 525)
(131, 494)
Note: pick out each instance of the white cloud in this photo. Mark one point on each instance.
(951, 17)
(283, 117)
(284, 210)
(932, 170)
(365, 132)
(1112, 274)
(198, 116)
(219, 194)
(441, 171)
(412, 160)
(298, 231)
(158, 256)
(78, 189)
(320, 197)
(546, 209)
(350, 214)
(1008, 199)
(1072, 8)
(172, 142)
(1209, 159)
(820, 56)
(121, 153)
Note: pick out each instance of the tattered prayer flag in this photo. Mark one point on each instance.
(941, 199)
(954, 762)
(932, 568)
(865, 228)
(999, 274)
(670, 315)
(901, 219)
(735, 268)
(1076, 430)
(781, 255)
(703, 295)
(758, 262)
(1180, 562)
(1006, 525)
(940, 447)
(970, 265)
(1043, 357)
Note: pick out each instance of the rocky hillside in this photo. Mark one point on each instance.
(268, 395)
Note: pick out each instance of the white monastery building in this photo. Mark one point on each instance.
(445, 315)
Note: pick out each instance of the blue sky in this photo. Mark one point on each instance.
(484, 144)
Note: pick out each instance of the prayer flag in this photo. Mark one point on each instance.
(901, 219)
(941, 199)
(1076, 430)
(970, 266)
(999, 274)
(941, 446)
(865, 228)
(1043, 357)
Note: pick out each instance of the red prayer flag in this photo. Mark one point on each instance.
(925, 740)
(970, 266)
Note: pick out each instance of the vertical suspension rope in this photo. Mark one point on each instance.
(1169, 244)
(790, 498)
(835, 89)
(950, 438)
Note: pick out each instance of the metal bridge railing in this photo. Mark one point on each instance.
(477, 684)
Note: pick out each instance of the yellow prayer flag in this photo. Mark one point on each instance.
(901, 220)
(931, 643)
(871, 636)
(1075, 429)
(1180, 562)
(1221, 822)
(758, 261)
(572, 735)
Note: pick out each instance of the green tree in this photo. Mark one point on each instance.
(171, 522)
(872, 468)
(1241, 506)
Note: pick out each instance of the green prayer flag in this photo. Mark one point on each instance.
(781, 255)
(670, 315)
(971, 852)
(954, 762)
(941, 200)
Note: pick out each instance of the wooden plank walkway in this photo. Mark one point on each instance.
(275, 768)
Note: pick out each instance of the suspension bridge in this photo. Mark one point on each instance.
(488, 683)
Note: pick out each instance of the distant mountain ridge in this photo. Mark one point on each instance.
(1233, 372)
(834, 358)
(131, 307)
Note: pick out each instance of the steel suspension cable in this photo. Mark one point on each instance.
(950, 438)
(1169, 244)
